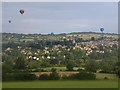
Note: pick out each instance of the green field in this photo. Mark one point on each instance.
(62, 84)
(101, 76)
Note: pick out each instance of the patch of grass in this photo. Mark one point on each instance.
(61, 68)
(29, 39)
(109, 76)
(60, 73)
(62, 84)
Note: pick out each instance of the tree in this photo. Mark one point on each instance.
(44, 77)
(85, 76)
(7, 64)
(117, 69)
(69, 57)
(45, 64)
(34, 64)
(92, 38)
(54, 76)
(107, 66)
(54, 70)
(78, 54)
(91, 66)
(20, 63)
(7, 68)
(70, 66)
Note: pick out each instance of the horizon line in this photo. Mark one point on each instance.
(62, 33)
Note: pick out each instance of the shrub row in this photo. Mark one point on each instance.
(18, 77)
(78, 76)
(52, 76)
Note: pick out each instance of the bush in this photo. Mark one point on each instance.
(18, 77)
(54, 76)
(65, 77)
(70, 66)
(106, 78)
(80, 76)
(85, 76)
(45, 64)
(60, 70)
(71, 77)
(118, 73)
(24, 76)
(44, 77)
(53, 70)
(8, 77)
(91, 66)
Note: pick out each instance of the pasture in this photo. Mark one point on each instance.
(62, 84)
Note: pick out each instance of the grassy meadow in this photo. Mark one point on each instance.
(62, 84)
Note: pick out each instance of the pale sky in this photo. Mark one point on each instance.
(60, 17)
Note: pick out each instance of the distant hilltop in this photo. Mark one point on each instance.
(89, 33)
(52, 33)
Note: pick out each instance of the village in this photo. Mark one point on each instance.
(60, 52)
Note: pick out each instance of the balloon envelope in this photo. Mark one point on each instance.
(9, 21)
(22, 11)
(101, 29)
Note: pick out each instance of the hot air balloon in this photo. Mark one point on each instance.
(101, 29)
(9, 21)
(22, 11)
